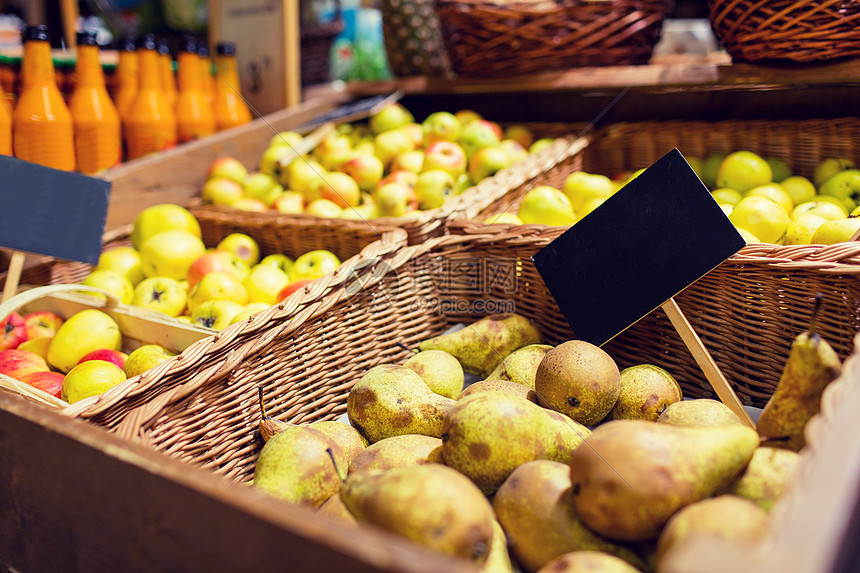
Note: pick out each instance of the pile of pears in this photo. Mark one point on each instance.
(555, 460)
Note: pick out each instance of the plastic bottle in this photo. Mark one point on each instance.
(229, 107)
(42, 128)
(206, 71)
(127, 72)
(193, 113)
(151, 124)
(168, 80)
(5, 126)
(97, 129)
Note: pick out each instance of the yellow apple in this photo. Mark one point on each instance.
(125, 260)
(323, 208)
(503, 218)
(820, 206)
(90, 378)
(799, 188)
(546, 205)
(580, 187)
(341, 189)
(264, 283)
(216, 314)
(83, 332)
(743, 170)
(278, 260)
(726, 195)
(145, 357)
(170, 254)
(160, 218)
(111, 282)
(160, 294)
(227, 167)
(289, 203)
(248, 311)
(243, 246)
(836, 231)
(801, 229)
(37, 345)
(217, 286)
(774, 192)
(762, 217)
(313, 265)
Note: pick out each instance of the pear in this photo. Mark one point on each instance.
(430, 504)
(334, 507)
(300, 465)
(579, 380)
(498, 560)
(398, 451)
(587, 562)
(521, 365)
(482, 345)
(440, 371)
(630, 476)
(727, 517)
(392, 400)
(535, 507)
(767, 476)
(646, 391)
(487, 435)
(812, 364)
(350, 441)
(699, 413)
(500, 386)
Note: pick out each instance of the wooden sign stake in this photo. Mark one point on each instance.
(706, 363)
(13, 275)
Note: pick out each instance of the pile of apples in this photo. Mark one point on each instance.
(389, 167)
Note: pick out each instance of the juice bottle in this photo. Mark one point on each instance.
(206, 70)
(168, 80)
(5, 126)
(42, 128)
(97, 130)
(193, 113)
(127, 72)
(229, 107)
(150, 126)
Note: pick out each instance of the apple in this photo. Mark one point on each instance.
(216, 314)
(441, 126)
(390, 117)
(366, 169)
(546, 205)
(580, 187)
(447, 156)
(111, 282)
(250, 205)
(278, 260)
(220, 261)
(743, 170)
(487, 162)
(273, 195)
(360, 212)
(596, 202)
(15, 363)
(37, 345)
(217, 286)
(159, 218)
(411, 160)
(304, 176)
(388, 144)
(42, 324)
(49, 382)
(108, 355)
(90, 378)
(313, 265)
(289, 203)
(725, 195)
(779, 169)
(270, 161)
(829, 167)
(125, 260)
(258, 185)
(160, 294)
(241, 245)
(762, 217)
(521, 134)
(264, 283)
(292, 287)
(477, 135)
(170, 254)
(220, 191)
(341, 189)
(248, 311)
(827, 209)
(515, 150)
(774, 192)
(407, 178)
(503, 218)
(363, 147)
(228, 168)
(393, 199)
(836, 231)
(541, 144)
(323, 208)
(333, 150)
(433, 188)
(801, 229)
(13, 331)
(845, 186)
(286, 139)
(799, 188)
(145, 357)
(463, 182)
(84, 331)
(466, 116)
(711, 165)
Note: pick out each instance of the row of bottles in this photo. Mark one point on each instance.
(149, 112)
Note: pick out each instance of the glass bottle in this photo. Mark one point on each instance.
(168, 80)
(206, 71)
(229, 107)
(5, 126)
(151, 124)
(193, 113)
(127, 72)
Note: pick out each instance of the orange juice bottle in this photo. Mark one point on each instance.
(97, 131)
(193, 113)
(42, 128)
(206, 70)
(150, 126)
(5, 126)
(168, 80)
(229, 107)
(127, 72)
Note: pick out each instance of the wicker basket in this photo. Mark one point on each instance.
(746, 311)
(491, 39)
(789, 30)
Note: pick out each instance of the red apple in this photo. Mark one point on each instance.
(47, 381)
(108, 355)
(216, 261)
(293, 287)
(15, 363)
(13, 331)
(445, 155)
(42, 324)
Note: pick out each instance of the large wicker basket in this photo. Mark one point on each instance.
(491, 39)
(788, 30)
(746, 311)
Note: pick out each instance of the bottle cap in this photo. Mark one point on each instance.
(189, 44)
(127, 44)
(226, 49)
(147, 42)
(203, 50)
(163, 47)
(87, 39)
(37, 33)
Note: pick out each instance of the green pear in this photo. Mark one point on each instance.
(430, 504)
(727, 517)
(498, 560)
(501, 386)
(487, 435)
(300, 465)
(335, 507)
(699, 413)
(588, 562)
(646, 391)
(398, 451)
(631, 476)
(767, 476)
(535, 507)
(482, 345)
(350, 441)
(579, 380)
(521, 365)
(392, 400)
(440, 371)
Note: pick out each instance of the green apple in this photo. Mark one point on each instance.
(710, 168)
(125, 260)
(170, 254)
(216, 314)
(441, 125)
(433, 188)
(540, 144)
(220, 191)
(764, 218)
(546, 205)
(410, 160)
(393, 199)
(159, 218)
(144, 358)
(289, 203)
(109, 281)
(313, 265)
(258, 185)
(278, 260)
(83, 332)
(462, 183)
(801, 229)
(799, 188)
(390, 117)
(323, 208)
(270, 161)
(447, 156)
(366, 169)
(242, 246)
(264, 283)
(829, 167)
(340, 189)
(477, 135)
(215, 260)
(830, 210)
(743, 170)
(217, 286)
(845, 186)
(521, 134)
(248, 311)
(488, 161)
(726, 195)
(160, 294)
(228, 168)
(90, 378)
(779, 169)
(515, 150)
(580, 187)
(388, 144)
(774, 192)
(504, 219)
(286, 138)
(304, 176)
(836, 231)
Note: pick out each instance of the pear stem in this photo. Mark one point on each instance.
(337, 469)
(262, 405)
(819, 298)
(404, 347)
